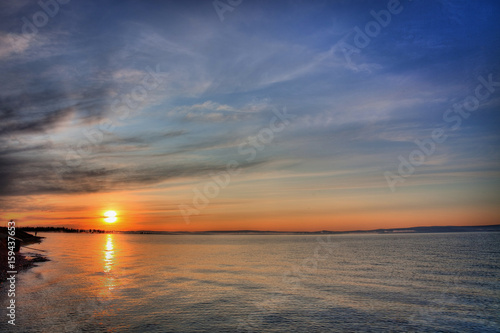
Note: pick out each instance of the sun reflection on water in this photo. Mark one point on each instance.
(109, 261)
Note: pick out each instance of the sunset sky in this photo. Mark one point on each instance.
(269, 115)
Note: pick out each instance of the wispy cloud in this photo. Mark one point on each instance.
(219, 85)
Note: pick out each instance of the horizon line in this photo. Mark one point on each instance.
(271, 231)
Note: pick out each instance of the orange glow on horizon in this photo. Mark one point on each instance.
(137, 211)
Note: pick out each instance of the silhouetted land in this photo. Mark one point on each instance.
(61, 229)
(21, 261)
(435, 229)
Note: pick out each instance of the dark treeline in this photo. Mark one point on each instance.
(61, 229)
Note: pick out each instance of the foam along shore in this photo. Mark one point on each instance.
(22, 261)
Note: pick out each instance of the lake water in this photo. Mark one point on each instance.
(260, 283)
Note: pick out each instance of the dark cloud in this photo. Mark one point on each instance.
(40, 177)
(21, 114)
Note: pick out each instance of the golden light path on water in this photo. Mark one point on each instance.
(108, 282)
(109, 261)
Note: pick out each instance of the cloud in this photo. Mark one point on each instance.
(39, 176)
(210, 111)
(219, 83)
(12, 44)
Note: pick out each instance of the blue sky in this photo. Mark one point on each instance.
(66, 130)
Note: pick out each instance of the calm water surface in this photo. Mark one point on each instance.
(239, 283)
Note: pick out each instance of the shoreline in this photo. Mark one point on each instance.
(23, 260)
(23, 263)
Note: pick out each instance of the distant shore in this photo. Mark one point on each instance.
(429, 229)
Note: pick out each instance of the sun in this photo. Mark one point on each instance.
(110, 216)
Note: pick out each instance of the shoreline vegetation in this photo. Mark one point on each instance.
(23, 260)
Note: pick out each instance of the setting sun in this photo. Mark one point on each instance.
(110, 216)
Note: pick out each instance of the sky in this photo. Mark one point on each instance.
(238, 114)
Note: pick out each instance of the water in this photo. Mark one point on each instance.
(231, 283)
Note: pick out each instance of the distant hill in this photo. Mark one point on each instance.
(436, 229)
